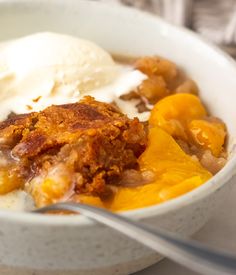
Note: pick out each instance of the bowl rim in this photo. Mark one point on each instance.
(211, 186)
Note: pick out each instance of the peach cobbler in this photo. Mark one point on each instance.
(78, 126)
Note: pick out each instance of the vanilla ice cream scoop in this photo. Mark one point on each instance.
(51, 66)
(42, 69)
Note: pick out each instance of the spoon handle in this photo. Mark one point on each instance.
(188, 253)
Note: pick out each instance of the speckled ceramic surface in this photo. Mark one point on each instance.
(46, 245)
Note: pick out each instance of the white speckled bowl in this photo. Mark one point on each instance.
(75, 245)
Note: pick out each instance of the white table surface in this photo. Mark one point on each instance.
(220, 232)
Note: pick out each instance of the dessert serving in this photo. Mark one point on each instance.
(131, 135)
(120, 133)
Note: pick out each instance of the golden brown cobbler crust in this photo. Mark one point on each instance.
(90, 138)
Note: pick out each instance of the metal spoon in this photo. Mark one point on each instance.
(188, 253)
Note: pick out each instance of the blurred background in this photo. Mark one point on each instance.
(215, 20)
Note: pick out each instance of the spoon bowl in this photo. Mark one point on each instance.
(186, 252)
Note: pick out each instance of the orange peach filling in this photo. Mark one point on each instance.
(9, 181)
(179, 116)
(175, 173)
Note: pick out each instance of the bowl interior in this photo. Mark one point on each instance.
(120, 30)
